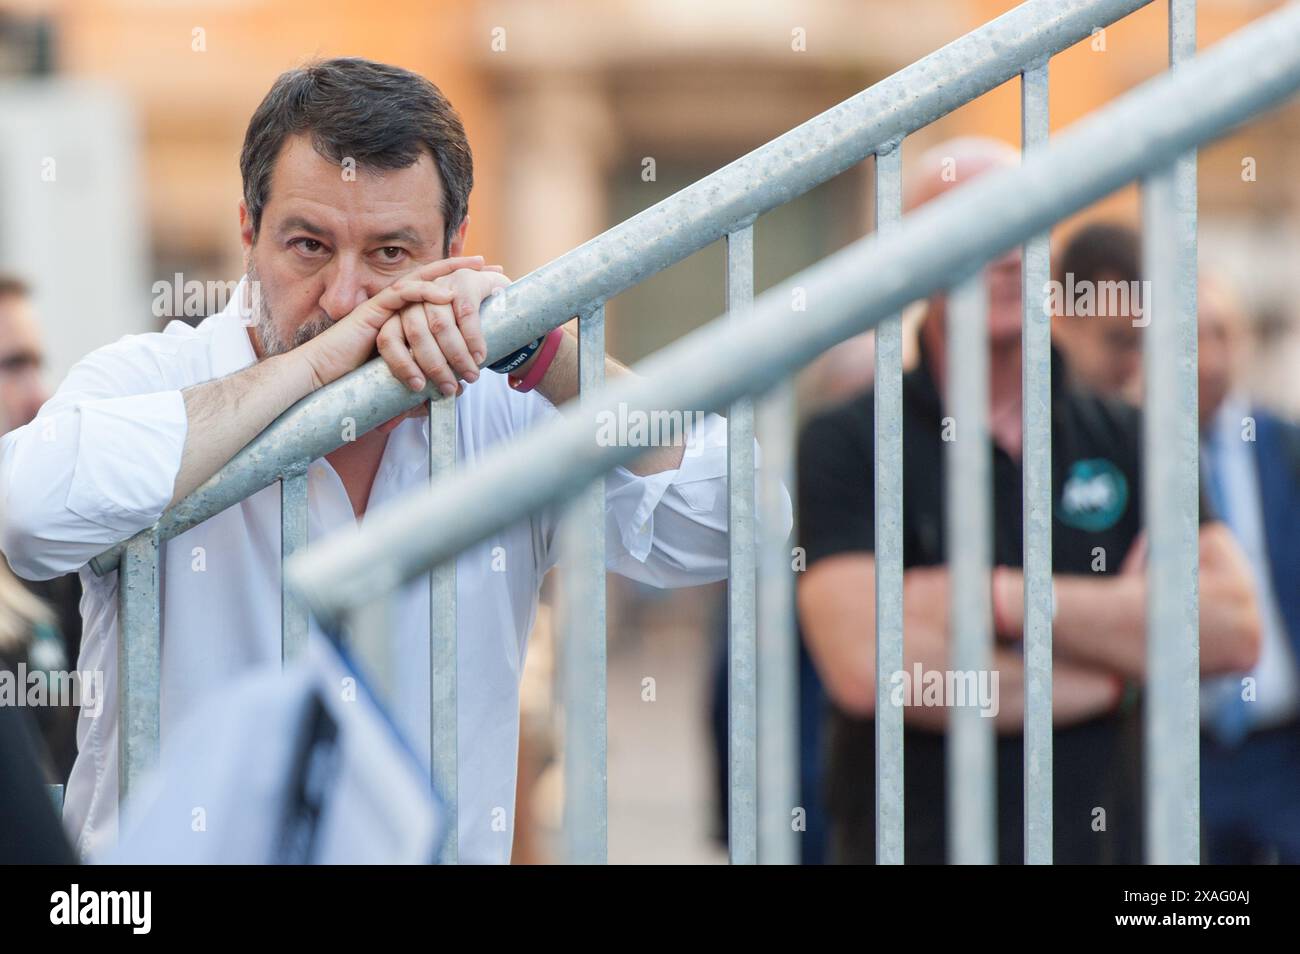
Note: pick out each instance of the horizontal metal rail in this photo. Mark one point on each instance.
(668, 232)
(847, 293)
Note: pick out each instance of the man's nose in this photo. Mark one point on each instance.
(345, 289)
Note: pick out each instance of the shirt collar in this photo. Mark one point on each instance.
(231, 346)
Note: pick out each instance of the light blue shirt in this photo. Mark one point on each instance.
(1228, 465)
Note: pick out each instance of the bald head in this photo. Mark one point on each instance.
(953, 163)
(946, 166)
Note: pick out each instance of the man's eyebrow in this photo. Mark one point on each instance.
(21, 358)
(407, 234)
(296, 223)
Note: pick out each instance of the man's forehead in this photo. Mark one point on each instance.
(18, 320)
(308, 190)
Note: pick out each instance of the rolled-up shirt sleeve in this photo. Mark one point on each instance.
(670, 529)
(667, 529)
(97, 465)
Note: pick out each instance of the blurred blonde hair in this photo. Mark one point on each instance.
(20, 614)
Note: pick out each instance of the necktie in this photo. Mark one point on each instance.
(1231, 720)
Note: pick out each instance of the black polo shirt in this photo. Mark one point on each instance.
(1096, 481)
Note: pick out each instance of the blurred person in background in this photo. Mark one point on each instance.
(50, 640)
(1099, 628)
(1250, 467)
(1100, 336)
(22, 357)
(30, 832)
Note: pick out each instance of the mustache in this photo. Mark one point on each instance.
(273, 342)
(311, 329)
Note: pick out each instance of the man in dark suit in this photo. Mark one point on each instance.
(1250, 459)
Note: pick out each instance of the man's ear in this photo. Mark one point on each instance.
(245, 229)
(457, 246)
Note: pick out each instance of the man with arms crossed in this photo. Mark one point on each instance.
(1099, 630)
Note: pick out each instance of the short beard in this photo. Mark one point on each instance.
(268, 332)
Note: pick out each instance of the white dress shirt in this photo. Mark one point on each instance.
(99, 463)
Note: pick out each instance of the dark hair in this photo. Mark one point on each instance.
(1099, 249)
(13, 286)
(380, 116)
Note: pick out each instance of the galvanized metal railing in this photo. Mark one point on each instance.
(1146, 134)
(849, 292)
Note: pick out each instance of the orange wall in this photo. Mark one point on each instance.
(195, 105)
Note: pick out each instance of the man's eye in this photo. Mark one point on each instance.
(392, 253)
(309, 245)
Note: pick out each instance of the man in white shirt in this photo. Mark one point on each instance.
(353, 221)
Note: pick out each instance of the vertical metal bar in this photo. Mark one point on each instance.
(56, 797)
(293, 537)
(369, 632)
(586, 779)
(139, 662)
(888, 396)
(742, 698)
(1036, 504)
(778, 648)
(443, 742)
(970, 751)
(1171, 495)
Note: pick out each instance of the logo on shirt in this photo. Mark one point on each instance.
(1094, 496)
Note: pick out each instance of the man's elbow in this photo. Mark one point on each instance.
(850, 684)
(25, 555)
(27, 545)
(853, 695)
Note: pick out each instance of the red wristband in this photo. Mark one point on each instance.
(537, 370)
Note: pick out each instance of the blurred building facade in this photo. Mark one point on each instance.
(582, 112)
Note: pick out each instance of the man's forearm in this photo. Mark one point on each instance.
(1078, 692)
(1102, 622)
(836, 600)
(225, 414)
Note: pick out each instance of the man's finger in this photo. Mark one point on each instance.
(446, 331)
(428, 354)
(445, 266)
(392, 348)
(413, 290)
(471, 328)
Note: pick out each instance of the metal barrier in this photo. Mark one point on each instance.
(860, 287)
